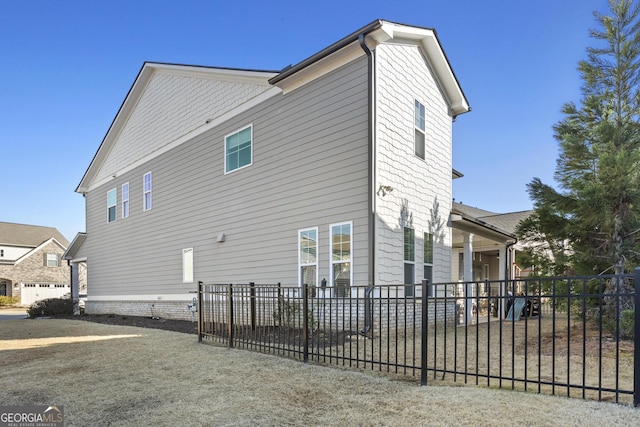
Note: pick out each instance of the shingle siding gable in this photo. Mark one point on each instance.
(422, 188)
(171, 106)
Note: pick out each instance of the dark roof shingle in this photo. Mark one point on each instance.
(28, 235)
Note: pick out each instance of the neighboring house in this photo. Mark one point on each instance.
(489, 240)
(31, 266)
(337, 168)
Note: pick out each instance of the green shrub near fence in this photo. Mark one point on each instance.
(51, 307)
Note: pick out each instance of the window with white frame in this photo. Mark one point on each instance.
(125, 200)
(52, 260)
(428, 262)
(147, 188)
(112, 196)
(341, 258)
(409, 261)
(187, 265)
(419, 125)
(308, 257)
(238, 151)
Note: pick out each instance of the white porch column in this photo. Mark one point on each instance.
(502, 276)
(468, 277)
(75, 286)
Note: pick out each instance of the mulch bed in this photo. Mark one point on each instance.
(183, 326)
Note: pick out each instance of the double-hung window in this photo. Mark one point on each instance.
(146, 191)
(125, 200)
(419, 125)
(428, 262)
(341, 258)
(308, 257)
(238, 149)
(112, 196)
(409, 261)
(51, 260)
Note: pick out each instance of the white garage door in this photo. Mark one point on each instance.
(32, 292)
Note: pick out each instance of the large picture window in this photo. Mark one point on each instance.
(419, 125)
(147, 188)
(308, 257)
(409, 261)
(238, 149)
(341, 258)
(112, 196)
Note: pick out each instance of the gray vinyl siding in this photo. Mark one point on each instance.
(309, 169)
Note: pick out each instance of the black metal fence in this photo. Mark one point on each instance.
(571, 336)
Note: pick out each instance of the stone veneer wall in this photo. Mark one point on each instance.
(163, 309)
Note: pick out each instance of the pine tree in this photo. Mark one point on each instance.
(597, 210)
(598, 170)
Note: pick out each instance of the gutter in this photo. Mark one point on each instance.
(328, 51)
(371, 90)
(371, 160)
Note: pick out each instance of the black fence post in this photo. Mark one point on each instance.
(230, 315)
(423, 346)
(252, 304)
(636, 339)
(305, 322)
(199, 311)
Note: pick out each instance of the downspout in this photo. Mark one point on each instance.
(371, 159)
(368, 310)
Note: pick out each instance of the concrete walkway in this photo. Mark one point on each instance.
(13, 313)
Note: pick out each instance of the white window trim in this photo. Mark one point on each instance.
(331, 261)
(426, 264)
(406, 261)
(187, 265)
(250, 126)
(114, 205)
(422, 131)
(300, 263)
(144, 192)
(57, 259)
(127, 207)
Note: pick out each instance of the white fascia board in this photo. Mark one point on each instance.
(198, 131)
(321, 67)
(149, 298)
(75, 244)
(224, 74)
(135, 93)
(427, 39)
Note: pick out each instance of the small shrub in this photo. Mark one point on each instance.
(626, 323)
(51, 307)
(8, 301)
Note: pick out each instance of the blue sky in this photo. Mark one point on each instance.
(67, 66)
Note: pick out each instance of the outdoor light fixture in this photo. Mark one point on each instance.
(384, 190)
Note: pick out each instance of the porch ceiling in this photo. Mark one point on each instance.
(484, 235)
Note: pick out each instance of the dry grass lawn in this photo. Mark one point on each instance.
(121, 376)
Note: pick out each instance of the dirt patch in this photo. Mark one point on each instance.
(581, 339)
